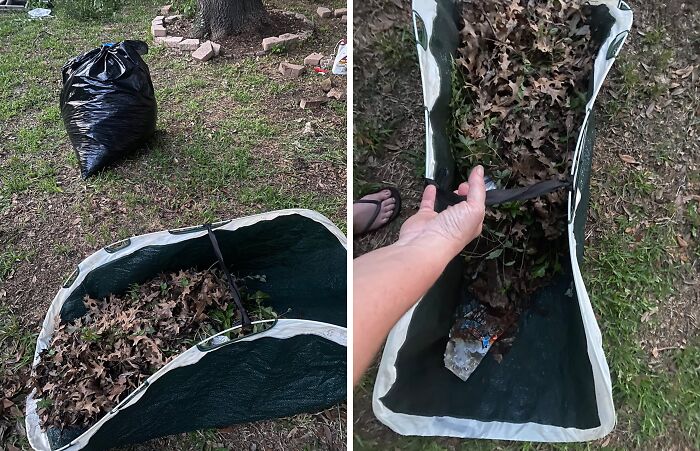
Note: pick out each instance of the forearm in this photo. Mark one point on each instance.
(387, 282)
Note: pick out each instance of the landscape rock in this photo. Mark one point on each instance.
(165, 10)
(344, 19)
(204, 53)
(216, 47)
(303, 18)
(313, 60)
(171, 19)
(189, 45)
(158, 30)
(327, 84)
(336, 93)
(291, 70)
(308, 129)
(340, 12)
(324, 12)
(269, 43)
(314, 102)
(288, 38)
(173, 42)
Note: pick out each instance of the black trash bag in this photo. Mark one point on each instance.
(108, 104)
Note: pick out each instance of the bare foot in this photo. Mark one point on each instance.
(362, 213)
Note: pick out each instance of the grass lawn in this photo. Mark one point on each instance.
(643, 234)
(230, 143)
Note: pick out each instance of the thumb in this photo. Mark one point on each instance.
(477, 188)
(428, 200)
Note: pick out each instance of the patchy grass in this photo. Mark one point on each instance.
(230, 143)
(9, 258)
(16, 354)
(626, 279)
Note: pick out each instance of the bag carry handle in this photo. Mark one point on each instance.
(500, 196)
(235, 292)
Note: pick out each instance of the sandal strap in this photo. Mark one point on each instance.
(377, 210)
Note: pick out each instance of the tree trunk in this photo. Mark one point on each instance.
(217, 19)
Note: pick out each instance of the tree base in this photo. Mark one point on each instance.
(217, 19)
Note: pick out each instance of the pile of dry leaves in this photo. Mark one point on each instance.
(95, 361)
(518, 100)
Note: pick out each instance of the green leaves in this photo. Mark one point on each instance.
(494, 254)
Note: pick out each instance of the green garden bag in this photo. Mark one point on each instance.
(296, 365)
(554, 385)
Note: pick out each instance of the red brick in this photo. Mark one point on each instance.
(324, 12)
(204, 53)
(269, 43)
(291, 70)
(313, 60)
(158, 31)
(314, 102)
(189, 45)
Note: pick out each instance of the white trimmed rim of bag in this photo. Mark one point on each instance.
(407, 424)
(282, 329)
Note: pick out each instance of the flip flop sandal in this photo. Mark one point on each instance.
(378, 204)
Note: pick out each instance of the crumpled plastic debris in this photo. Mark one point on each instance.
(39, 13)
(472, 335)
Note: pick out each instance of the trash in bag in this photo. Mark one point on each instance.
(108, 104)
(473, 333)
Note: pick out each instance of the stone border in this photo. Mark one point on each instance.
(206, 50)
(201, 50)
(327, 13)
(288, 39)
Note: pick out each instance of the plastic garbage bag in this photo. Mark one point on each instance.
(108, 104)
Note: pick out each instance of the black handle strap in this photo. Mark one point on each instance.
(500, 196)
(235, 292)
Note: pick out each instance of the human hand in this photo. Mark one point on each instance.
(452, 229)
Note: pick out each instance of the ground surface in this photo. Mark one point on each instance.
(642, 250)
(230, 143)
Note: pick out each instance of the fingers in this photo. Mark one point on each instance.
(463, 189)
(428, 201)
(477, 189)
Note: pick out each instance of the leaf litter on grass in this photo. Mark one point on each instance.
(95, 361)
(519, 94)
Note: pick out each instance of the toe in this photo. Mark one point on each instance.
(380, 195)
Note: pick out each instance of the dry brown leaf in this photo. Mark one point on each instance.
(629, 159)
(121, 340)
